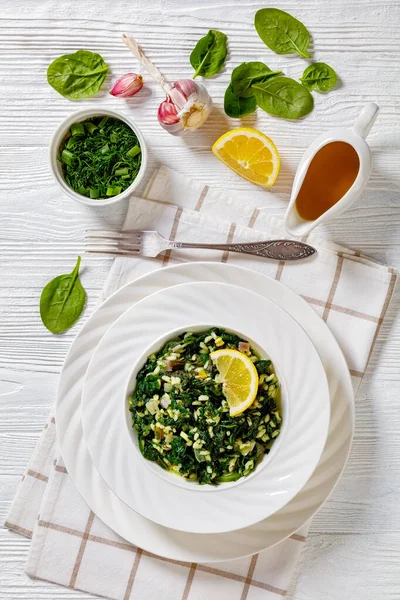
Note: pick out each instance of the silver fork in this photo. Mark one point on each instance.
(150, 243)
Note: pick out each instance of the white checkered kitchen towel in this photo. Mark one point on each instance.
(70, 546)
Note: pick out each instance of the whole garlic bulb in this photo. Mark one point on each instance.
(186, 107)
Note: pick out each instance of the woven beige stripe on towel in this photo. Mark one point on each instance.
(70, 546)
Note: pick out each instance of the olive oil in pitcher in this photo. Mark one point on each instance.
(330, 175)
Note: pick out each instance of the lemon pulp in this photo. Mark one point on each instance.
(250, 153)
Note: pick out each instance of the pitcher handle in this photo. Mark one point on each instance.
(366, 119)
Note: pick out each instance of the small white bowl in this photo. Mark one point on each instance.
(59, 136)
(170, 476)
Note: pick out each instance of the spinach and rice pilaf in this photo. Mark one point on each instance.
(182, 417)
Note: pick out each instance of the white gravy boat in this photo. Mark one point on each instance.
(297, 226)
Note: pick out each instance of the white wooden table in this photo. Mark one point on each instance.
(354, 549)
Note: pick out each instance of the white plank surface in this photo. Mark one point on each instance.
(354, 549)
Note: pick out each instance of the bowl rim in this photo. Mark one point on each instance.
(173, 478)
(60, 132)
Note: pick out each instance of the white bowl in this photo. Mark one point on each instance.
(170, 476)
(60, 134)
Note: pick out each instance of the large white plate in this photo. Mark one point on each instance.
(305, 422)
(166, 542)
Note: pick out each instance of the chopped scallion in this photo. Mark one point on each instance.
(91, 127)
(103, 122)
(124, 171)
(228, 477)
(77, 130)
(67, 157)
(134, 151)
(113, 191)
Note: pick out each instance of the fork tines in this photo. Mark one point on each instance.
(117, 243)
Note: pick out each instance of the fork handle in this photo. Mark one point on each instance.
(275, 249)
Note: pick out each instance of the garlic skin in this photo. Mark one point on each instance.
(128, 85)
(186, 107)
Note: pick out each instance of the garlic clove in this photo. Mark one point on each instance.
(167, 112)
(188, 104)
(128, 85)
(182, 90)
(186, 86)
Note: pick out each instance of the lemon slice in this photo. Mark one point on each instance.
(239, 378)
(249, 153)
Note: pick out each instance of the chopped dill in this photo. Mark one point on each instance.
(100, 157)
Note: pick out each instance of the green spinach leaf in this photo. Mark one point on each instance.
(319, 77)
(208, 56)
(62, 301)
(283, 97)
(238, 107)
(281, 32)
(246, 74)
(78, 75)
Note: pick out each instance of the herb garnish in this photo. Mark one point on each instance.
(78, 75)
(101, 157)
(62, 301)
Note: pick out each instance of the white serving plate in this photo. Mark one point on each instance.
(170, 543)
(305, 399)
